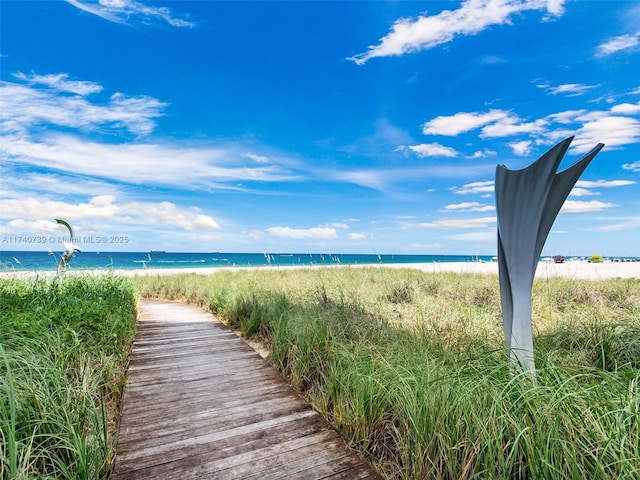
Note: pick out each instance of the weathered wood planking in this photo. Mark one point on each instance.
(200, 403)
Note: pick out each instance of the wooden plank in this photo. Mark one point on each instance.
(200, 403)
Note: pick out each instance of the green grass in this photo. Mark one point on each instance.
(410, 367)
(63, 350)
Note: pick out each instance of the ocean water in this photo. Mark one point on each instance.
(44, 261)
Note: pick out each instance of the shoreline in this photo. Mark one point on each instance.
(575, 269)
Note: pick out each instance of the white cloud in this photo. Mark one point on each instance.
(460, 223)
(475, 187)
(582, 192)
(566, 117)
(167, 213)
(103, 207)
(120, 11)
(432, 150)
(473, 16)
(522, 148)
(614, 128)
(591, 128)
(61, 83)
(616, 44)
(22, 107)
(26, 109)
(256, 158)
(576, 206)
(630, 223)
(512, 126)
(569, 89)
(342, 226)
(453, 125)
(483, 153)
(634, 167)
(375, 179)
(611, 130)
(357, 236)
(626, 108)
(468, 207)
(18, 185)
(321, 233)
(604, 183)
(494, 123)
(154, 164)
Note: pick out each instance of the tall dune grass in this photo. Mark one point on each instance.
(410, 367)
(63, 349)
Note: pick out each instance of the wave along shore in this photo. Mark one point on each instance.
(575, 269)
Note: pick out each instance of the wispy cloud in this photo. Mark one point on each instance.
(256, 158)
(522, 149)
(59, 104)
(474, 188)
(357, 236)
(626, 108)
(585, 188)
(604, 183)
(582, 192)
(460, 223)
(576, 206)
(432, 150)
(458, 123)
(65, 104)
(468, 207)
(20, 184)
(473, 16)
(318, 233)
(612, 130)
(61, 83)
(483, 153)
(513, 126)
(616, 44)
(382, 179)
(125, 11)
(144, 163)
(27, 215)
(630, 223)
(568, 89)
(634, 167)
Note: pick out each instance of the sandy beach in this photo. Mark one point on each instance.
(574, 269)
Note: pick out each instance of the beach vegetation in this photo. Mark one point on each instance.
(411, 368)
(64, 344)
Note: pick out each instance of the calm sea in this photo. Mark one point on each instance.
(11, 260)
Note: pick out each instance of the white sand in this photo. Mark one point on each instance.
(574, 269)
(579, 270)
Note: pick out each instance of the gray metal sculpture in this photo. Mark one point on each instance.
(527, 203)
(69, 247)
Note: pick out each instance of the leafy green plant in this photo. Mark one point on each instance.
(64, 344)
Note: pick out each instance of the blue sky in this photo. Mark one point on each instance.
(344, 127)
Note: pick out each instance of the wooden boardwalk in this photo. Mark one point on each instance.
(200, 403)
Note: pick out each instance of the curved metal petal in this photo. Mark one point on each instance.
(527, 203)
